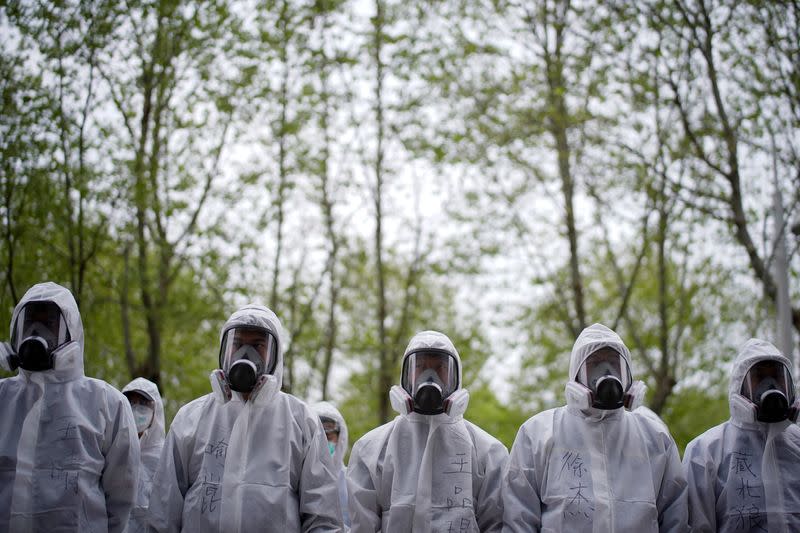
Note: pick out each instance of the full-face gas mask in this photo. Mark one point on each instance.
(606, 374)
(429, 377)
(40, 329)
(768, 384)
(247, 353)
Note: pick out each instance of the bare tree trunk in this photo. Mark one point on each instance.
(663, 378)
(130, 356)
(149, 81)
(702, 39)
(282, 170)
(8, 237)
(159, 258)
(327, 210)
(67, 176)
(82, 259)
(331, 328)
(558, 124)
(408, 291)
(141, 241)
(384, 357)
(305, 312)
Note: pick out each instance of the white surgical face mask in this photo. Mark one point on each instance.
(143, 415)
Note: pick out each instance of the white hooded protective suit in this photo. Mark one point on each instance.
(427, 472)
(744, 475)
(150, 444)
(68, 449)
(329, 411)
(230, 465)
(582, 469)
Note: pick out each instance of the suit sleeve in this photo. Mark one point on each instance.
(673, 515)
(319, 494)
(170, 484)
(522, 504)
(120, 477)
(489, 500)
(365, 515)
(702, 500)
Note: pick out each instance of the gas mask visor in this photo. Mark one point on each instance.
(245, 354)
(606, 373)
(768, 384)
(40, 329)
(430, 376)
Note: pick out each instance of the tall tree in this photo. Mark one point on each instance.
(328, 59)
(530, 85)
(65, 41)
(24, 173)
(384, 358)
(164, 79)
(723, 58)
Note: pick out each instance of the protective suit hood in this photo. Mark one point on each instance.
(254, 315)
(69, 358)
(154, 435)
(328, 410)
(457, 400)
(437, 341)
(590, 340)
(754, 350)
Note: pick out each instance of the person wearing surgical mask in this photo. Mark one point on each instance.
(247, 456)
(429, 469)
(68, 453)
(743, 474)
(598, 463)
(336, 433)
(148, 413)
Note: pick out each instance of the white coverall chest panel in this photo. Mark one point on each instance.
(241, 466)
(68, 456)
(735, 486)
(567, 473)
(68, 448)
(150, 444)
(455, 472)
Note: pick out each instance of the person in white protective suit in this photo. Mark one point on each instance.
(336, 432)
(428, 469)
(68, 452)
(246, 457)
(594, 465)
(744, 474)
(148, 413)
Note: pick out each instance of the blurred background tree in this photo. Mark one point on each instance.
(502, 172)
